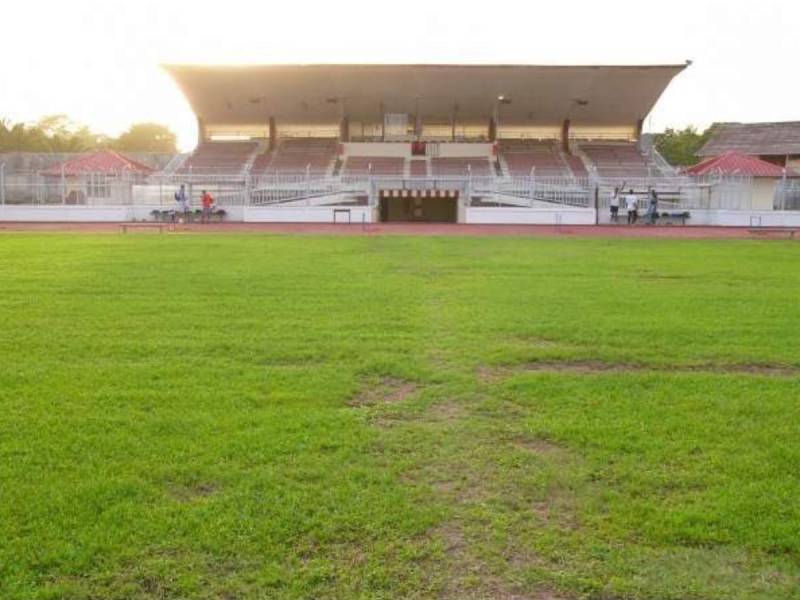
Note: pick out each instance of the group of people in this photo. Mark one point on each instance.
(206, 201)
(631, 201)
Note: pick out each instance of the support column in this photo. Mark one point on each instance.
(492, 130)
(383, 123)
(273, 134)
(201, 131)
(565, 137)
(344, 129)
(639, 128)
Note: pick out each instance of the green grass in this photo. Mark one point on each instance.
(310, 417)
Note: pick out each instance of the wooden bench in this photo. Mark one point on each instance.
(784, 232)
(123, 227)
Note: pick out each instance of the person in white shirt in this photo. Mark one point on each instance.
(614, 205)
(632, 206)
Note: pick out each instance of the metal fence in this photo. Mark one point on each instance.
(787, 196)
(707, 193)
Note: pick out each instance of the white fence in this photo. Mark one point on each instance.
(308, 189)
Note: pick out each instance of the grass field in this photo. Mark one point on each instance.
(386, 417)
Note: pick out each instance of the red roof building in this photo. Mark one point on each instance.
(107, 162)
(736, 163)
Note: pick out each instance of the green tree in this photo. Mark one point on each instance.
(19, 137)
(680, 146)
(53, 133)
(147, 137)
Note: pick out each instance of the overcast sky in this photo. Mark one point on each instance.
(98, 61)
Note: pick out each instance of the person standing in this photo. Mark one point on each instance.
(632, 206)
(180, 199)
(614, 205)
(652, 206)
(207, 201)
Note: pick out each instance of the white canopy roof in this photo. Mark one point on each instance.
(533, 95)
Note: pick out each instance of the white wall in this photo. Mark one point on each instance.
(306, 214)
(460, 150)
(60, 212)
(402, 149)
(745, 218)
(530, 216)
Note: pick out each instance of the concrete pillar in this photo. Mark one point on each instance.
(273, 134)
(492, 130)
(565, 136)
(201, 131)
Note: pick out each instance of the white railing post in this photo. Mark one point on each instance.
(2, 184)
(308, 184)
(63, 187)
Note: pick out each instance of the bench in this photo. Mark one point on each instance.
(123, 227)
(675, 216)
(784, 232)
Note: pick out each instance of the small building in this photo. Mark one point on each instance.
(777, 143)
(765, 176)
(101, 177)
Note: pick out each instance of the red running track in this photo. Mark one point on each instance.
(424, 229)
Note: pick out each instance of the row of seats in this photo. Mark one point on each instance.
(298, 155)
(223, 158)
(386, 165)
(376, 165)
(521, 157)
(618, 160)
(542, 157)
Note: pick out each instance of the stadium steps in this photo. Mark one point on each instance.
(175, 163)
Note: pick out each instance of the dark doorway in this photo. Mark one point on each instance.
(422, 208)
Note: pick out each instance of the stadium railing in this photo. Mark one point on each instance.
(703, 193)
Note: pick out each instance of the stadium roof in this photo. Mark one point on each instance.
(533, 95)
(763, 139)
(736, 163)
(103, 161)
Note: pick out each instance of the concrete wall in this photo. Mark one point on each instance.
(61, 212)
(530, 216)
(403, 149)
(745, 218)
(306, 214)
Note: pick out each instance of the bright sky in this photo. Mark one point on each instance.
(98, 60)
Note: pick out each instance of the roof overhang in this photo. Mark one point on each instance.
(534, 95)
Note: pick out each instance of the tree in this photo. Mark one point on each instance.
(65, 135)
(147, 137)
(680, 146)
(19, 137)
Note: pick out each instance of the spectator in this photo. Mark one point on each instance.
(614, 205)
(207, 201)
(652, 206)
(180, 198)
(632, 206)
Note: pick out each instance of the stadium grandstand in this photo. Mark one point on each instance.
(464, 130)
(457, 143)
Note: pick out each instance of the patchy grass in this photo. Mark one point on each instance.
(386, 417)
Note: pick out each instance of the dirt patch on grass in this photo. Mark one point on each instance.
(593, 367)
(388, 391)
(539, 446)
(467, 578)
(445, 412)
(188, 493)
